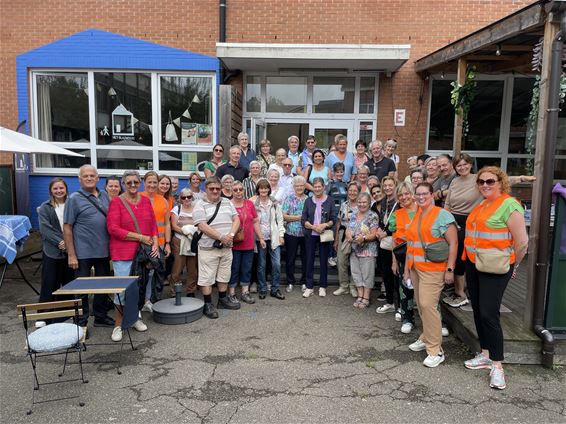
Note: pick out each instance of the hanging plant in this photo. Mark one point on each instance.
(462, 97)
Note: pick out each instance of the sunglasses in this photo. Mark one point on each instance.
(489, 182)
(287, 164)
(218, 150)
(133, 183)
(214, 188)
(185, 197)
(237, 190)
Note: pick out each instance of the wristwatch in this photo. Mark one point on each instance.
(449, 269)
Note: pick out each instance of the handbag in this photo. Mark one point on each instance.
(326, 236)
(400, 251)
(493, 261)
(240, 236)
(346, 247)
(170, 131)
(434, 252)
(386, 242)
(198, 234)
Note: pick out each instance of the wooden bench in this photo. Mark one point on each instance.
(32, 246)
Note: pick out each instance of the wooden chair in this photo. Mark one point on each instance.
(53, 339)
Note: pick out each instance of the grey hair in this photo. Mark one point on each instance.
(281, 150)
(363, 168)
(254, 162)
(404, 185)
(374, 142)
(213, 179)
(271, 171)
(226, 178)
(87, 166)
(185, 192)
(366, 195)
(318, 180)
(242, 134)
(299, 179)
(293, 137)
(237, 183)
(391, 142)
(236, 147)
(130, 173)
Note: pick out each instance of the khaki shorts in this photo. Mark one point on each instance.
(214, 265)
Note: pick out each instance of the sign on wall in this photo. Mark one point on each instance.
(399, 118)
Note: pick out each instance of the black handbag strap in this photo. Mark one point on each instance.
(127, 206)
(96, 205)
(214, 214)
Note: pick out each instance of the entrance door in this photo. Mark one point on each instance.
(325, 131)
(257, 133)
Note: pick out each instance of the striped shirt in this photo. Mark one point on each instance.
(203, 211)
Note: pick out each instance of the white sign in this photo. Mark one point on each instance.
(399, 118)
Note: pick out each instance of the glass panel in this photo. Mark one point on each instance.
(520, 108)
(560, 169)
(278, 133)
(186, 110)
(125, 159)
(123, 109)
(63, 161)
(62, 108)
(366, 131)
(485, 117)
(253, 94)
(517, 166)
(325, 136)
(561, 137)
(367, 94)
(481, 162)
(286, 94)
(181, 161)
(441, 127)
(333, 95)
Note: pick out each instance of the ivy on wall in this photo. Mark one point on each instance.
(462, 97)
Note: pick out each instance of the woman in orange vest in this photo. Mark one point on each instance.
(398, 225)
(428, 274)
(495, 243)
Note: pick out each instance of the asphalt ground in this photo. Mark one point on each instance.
(291, 361)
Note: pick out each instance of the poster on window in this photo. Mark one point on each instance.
(188, 133)
(204, 134)
(188, 161)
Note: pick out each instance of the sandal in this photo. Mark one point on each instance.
(364, 303)
(358, 302)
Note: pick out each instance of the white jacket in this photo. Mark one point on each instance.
(275, 221)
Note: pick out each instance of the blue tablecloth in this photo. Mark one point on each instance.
(14, 229)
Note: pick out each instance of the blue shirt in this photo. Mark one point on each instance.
(246, 158)
(90, 236)
(349, 164)
(295, 159)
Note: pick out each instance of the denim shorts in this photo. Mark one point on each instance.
(121, 269)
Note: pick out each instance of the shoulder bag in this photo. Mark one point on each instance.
(240, 236)
(386, 242)
(197, 236)
(434, 252)
(96, 205)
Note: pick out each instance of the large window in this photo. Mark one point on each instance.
(287, 94)
(115, 128)
(333, 94)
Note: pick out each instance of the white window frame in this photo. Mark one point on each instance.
(156, 146)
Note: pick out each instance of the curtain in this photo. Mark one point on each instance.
(44, 122)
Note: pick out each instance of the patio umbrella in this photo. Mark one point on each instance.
(15, 142)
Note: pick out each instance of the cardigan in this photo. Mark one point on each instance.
(328, 213)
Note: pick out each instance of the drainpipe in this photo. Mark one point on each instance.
(548, 167)
(222, 33)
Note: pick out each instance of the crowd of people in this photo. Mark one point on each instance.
(440, 225)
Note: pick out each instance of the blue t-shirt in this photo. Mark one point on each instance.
(349, 165)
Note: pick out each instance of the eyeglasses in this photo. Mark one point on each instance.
(489, 182)
(133, 183)
(288, 164)
(185, 197)
(214, 188)
(237, 190)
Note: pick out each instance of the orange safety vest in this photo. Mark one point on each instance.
(159, 205)
(415, 249)
(480, 236)
(402, 222)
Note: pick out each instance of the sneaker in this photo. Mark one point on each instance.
(303, 288)
(232, 298)
(210, 311)
(340, 291)
(332, 262)
(434, 361)
(478, 362)
(445, 332)
(417, 346)
(385, 309)
(40, 324)
(497, 378)
(398, 316)
(277, 294)
(247, 298)
(104, 322)
(289, 288)
(148, 307)
(308, 292)
(140, 326)
(322, 292)
(407, 327)
(381, 297)
(456, 301)
(353, 292)
(117, 334)
(253, 288)
(226, 302)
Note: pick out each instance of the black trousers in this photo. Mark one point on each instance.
(55, 273)
(292, 246)
(391, 283)
(486, 292)
(100, 301)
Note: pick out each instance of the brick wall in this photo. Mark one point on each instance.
(193, 25)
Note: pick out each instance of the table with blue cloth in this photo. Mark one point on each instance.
(14, 230)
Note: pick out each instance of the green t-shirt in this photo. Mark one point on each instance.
(441, 223)
(210, 166)
(499, 219)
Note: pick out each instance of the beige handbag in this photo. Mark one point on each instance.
(493, 261)
(327, 236)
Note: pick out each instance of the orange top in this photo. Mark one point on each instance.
(480, 236)
(415, 249)
(161, 210)
(402, 222)
(170, 202)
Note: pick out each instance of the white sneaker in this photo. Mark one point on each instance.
(289, 288)
(322, 292)
(308, 292)
(139, 325)
(353, 292)
(148, 307)
(407, 328)
(117, 334)
(445, 332)
(332, 262)
(385, 309)
(417, 346)
(434, 361)
(398, 316)
(340, 291)
(40, 324)
(303, 288)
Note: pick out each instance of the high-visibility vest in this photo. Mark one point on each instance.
(160, 206)
(415, 249)
(402, 222)
(480, 236)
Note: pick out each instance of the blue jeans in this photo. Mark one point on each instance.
(292, 245)
(121, 269)
(275, 256)
(311, 244)
(241, 267)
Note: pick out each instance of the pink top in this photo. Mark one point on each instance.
(247, 213)
(119, 223)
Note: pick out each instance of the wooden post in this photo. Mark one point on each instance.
(458, 118)
(550, 31)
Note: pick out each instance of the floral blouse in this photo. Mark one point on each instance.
(294, 206)
(365, 226)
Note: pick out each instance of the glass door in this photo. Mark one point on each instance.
(325, 131)
(257, 133)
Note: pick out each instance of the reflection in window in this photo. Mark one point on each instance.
(181, 161)
(333, 94)
(186, 110)
(485, 117)
(367, 94)
(286, 94)
(253, 94)
(366, 131)
(278, 133)
(123, 109)
(325, 136)
(520, 108)
(62, 108)
(125, 159)
(63, 161)
(441, 126)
